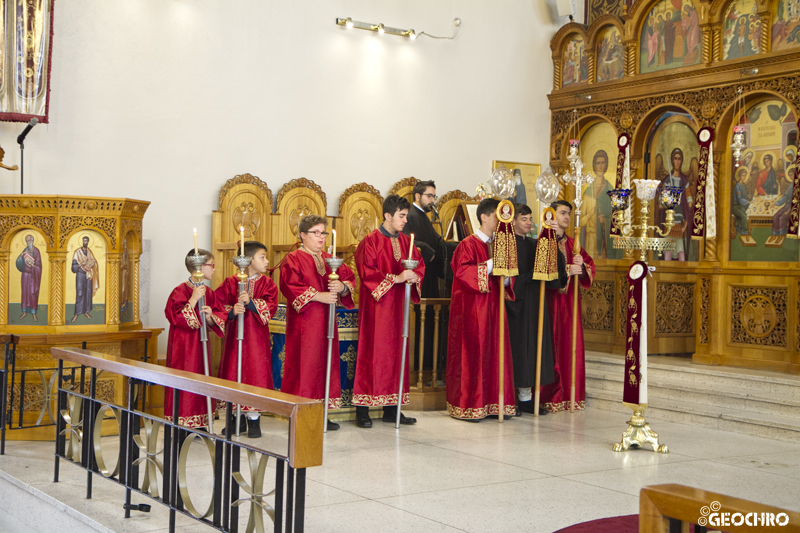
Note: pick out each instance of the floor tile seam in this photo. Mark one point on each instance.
(492, 460)
(749, 468)
(689, 459)
(544, 476)
(417, 515)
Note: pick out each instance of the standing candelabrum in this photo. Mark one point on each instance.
(242, 262)
(197, 261)
(579, 179)
(638, 432)
(333, 262)
(408, 264)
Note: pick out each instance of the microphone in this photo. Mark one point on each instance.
(435, 212)
(34, 121)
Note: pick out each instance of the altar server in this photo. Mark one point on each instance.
(523, 314)
(184, 349)
(258, 303)
(473, 389)
(380, 314)
(581, 269)
(309, 292)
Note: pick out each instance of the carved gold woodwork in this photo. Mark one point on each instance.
(360, 212)
(597, 306)
(447, 204)
(405, 188)
(57, 219)
(675, 308)
(243, 200)
(705, 310)
(758, 315)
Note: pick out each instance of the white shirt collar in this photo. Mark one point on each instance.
(482, 236)
(418, 207)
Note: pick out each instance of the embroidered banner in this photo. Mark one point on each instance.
(794, 214)
(634, 391)
(27, 45)
(623, 173)
(700, 227)
(545, 266)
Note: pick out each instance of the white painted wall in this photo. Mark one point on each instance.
(164, 100)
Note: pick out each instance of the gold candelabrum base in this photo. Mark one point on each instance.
(642, 242)
(638, 434)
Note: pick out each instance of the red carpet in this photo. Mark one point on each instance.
(615, 524)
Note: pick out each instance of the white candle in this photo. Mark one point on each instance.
(195, 241)
(241, 233)
(334, 242)
(411, 246)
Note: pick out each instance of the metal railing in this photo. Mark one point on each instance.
(81, 418)
(10, 371)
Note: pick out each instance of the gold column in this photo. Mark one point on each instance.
(57, 289)
(112, 287)
(557, 72)
(630, 58)
(135, 283)
(706, 52)
(717, 45)
(766, 33)
(3, 288)
(592, 67)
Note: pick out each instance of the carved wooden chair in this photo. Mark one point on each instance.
(446, 205)
(296, 199)
(360, 212)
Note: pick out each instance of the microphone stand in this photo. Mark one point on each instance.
(22, 167)
(334, 263)
(197, 261)
(242, 262)
(408, 264)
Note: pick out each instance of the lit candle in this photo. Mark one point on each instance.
(241, 233)
(411, 246)
(195, 241)
(334, 242)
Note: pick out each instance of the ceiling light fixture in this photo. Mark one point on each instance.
(381, 28)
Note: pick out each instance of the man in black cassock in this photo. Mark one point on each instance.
(436, 254)
(523, 315)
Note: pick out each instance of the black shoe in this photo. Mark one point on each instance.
(332, 426)
(495, 417)
(527, 407)
(362, 417)
(543, 411)
(404, 420)
(254, 428)
(242, 423)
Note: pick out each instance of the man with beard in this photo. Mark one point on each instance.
(435, 253)
(29, 263)
(767, 184)
(87, 279)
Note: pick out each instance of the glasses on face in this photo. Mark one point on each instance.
(431, 196)
(318, 233)
(212, 265)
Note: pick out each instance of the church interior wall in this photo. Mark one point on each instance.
(166, 100)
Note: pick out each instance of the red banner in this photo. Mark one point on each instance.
(634, 389)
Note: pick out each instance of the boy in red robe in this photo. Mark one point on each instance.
(555, 397)
(380, 314)
(184, 349)
(473, 384)
(309, 292)
(258, 303)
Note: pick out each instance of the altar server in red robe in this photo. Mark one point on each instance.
(184, 349)
(258, 303)
(581, 269)
(473, 385)
(380, 314)
(309, 292)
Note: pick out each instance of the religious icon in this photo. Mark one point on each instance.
(671, 36)
(576, 62)
(29, 263)
(742, 30)
(786, 26)
(610, 55)
(598, 143)
(86, 268)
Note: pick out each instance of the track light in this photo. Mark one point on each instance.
(379, 28)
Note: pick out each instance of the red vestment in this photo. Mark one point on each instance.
(185, 351)
(256, 357)
(555, 397)
(473, 356)
(380, 318)
(303, 276)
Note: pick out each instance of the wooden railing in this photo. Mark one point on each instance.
(439, 307)
(10, 371)
(672, 508)
(80, 416)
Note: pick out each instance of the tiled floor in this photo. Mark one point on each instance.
(447, 475)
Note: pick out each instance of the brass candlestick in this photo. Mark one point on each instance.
(334, 263)
(197, 261)
(241, 262)
(638, 432)
(408, 264)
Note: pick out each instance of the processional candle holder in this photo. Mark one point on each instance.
(738, 144)
(638, 432)
(334, 263)
(241, 262)
(408, 264)
(197, 260)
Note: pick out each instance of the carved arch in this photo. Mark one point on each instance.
(240, 179)
(601, 23)
(642, 130)
(300, 183)
(560, 38)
